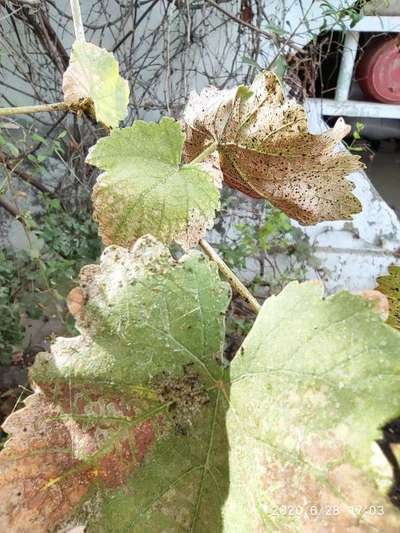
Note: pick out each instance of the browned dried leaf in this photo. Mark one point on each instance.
(75, 301)
(389, 285)
(266, 150)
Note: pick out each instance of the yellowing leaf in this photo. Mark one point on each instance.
(125, 431)
(310, 389)
(390, 286)
(93, 73)
(127, 428)
(145, 188)
(267, 152)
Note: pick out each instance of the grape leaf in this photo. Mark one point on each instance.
(267, 152)
(125, 431)
(93, 74)
(390, 286)
(310, 387)
(146, 189)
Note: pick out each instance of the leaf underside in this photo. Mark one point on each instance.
(390, 286)
(145, 188)
(312, 384)
(93, 74)
(266, 150)
(125, 431)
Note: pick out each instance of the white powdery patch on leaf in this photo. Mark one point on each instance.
(312, 385)
(122, 409)
(147, 189)
(93, 74)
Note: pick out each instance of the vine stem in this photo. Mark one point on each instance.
(58, 106)
(77, 18)
(234, 281)
(230, 276)
(28, 109)
(205, 153)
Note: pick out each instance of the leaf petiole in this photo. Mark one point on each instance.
(205, 153)
(235, 282)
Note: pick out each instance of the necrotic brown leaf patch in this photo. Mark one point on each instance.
(266, 150)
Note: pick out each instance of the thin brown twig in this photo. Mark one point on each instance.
(234, 281)
(238, 20)
(13, 211)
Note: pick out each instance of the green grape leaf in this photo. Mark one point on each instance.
(125, 430)
(266, 150)
(390, 286)
(310, 388)
(93, 74)
(145, 188)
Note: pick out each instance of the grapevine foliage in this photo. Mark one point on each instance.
(138, 424)
(92, 80)
(146, 189)
(129, 416)
(310, 388)
(266, 150)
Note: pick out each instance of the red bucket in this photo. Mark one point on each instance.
(378, 71)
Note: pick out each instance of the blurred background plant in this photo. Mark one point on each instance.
(34, 281)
